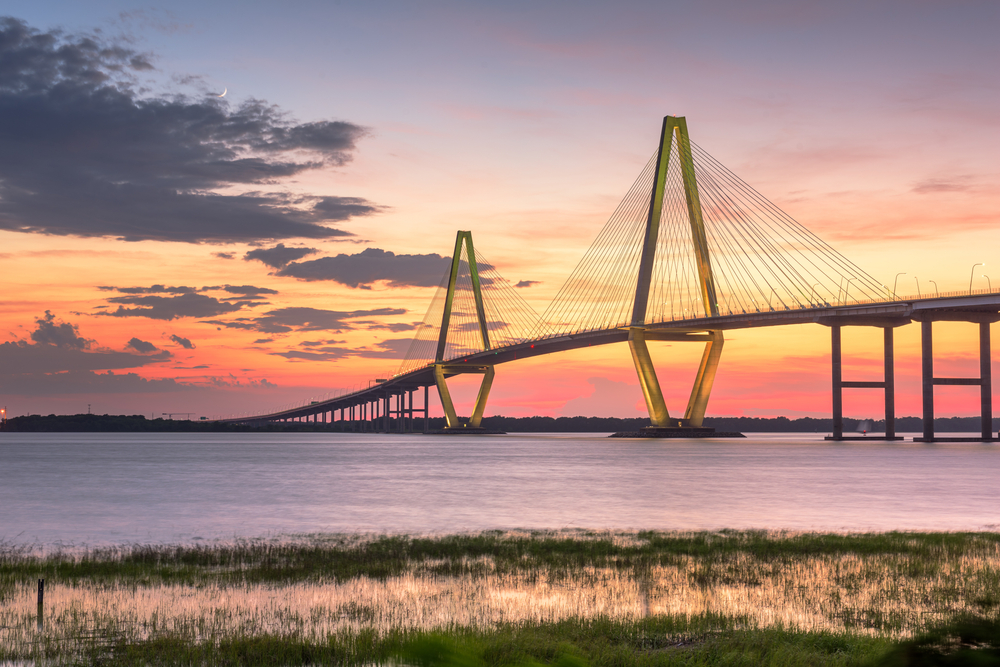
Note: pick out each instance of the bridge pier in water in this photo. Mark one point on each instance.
(887, 384)
(984, 381)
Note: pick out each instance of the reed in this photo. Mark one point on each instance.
(504, 597)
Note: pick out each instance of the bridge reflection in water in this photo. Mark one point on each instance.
(691, 252)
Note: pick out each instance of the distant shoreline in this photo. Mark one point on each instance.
(88, 423)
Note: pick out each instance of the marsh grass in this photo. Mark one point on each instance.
(632, 598)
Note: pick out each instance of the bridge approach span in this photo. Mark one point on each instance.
(691, 252)
(981, 308)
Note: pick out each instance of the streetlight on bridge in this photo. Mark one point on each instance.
(989, 285)
(847, 291)
(973, 274)
(901, 273)
(936, 292)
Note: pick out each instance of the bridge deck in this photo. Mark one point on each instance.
(975, 307)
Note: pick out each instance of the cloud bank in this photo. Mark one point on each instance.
(57, 347)
(86, 154)
(370, 266)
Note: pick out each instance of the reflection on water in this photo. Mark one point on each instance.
(883, 594)
(114, 488)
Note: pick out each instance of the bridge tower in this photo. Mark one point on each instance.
(442, 370)
(675, 129)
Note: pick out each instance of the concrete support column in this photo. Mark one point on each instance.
(927, 368)
(838, 385)
(890, 386)
(411, 411)
(986, 378)
(427, 411)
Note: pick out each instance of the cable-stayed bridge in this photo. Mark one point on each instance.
(691, 252)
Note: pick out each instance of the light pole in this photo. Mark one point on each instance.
(989, 285)
(918, 286)
(973, 274)
(847, 290)
(936, 292)
(902, 273)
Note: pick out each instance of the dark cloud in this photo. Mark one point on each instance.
(394, 327)
(241, 291)
(343, 208)
(394, 348)
(86, 154)
(233, 381)
(85, 382)
(244, 323)
(261, 341)
(526, 283)
(58, 347)
(279, 255)
(283, 320)
(224, 255)
(372, 265)
(21, 357)
(329, 354)
(183, 342)
(314, 319)
(248, 290)
(316, 343)
(152, 289)
(141, 346)
(171, 307)
(61, 334)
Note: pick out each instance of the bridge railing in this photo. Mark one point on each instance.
(548, 335)
(845, 303)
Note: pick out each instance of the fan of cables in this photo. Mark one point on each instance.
(760, 258)
(508, 318)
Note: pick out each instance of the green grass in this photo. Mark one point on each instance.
(711, 598)
(343, 558)
(573, 643)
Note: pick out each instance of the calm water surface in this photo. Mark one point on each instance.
(105, 488)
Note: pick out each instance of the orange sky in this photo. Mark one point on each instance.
(874, 127)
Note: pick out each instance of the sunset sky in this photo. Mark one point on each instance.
(167, 250)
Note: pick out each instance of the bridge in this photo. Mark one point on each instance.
(691, 252)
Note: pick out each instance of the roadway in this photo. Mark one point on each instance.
(974, 307)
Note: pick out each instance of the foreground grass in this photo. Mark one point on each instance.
(341, 558)
(573, 643)
(646, 598)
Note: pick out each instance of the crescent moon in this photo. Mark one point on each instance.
(224, 92)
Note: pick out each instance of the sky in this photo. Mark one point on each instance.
(167, 250)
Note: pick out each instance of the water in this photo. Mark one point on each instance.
(113, 488)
